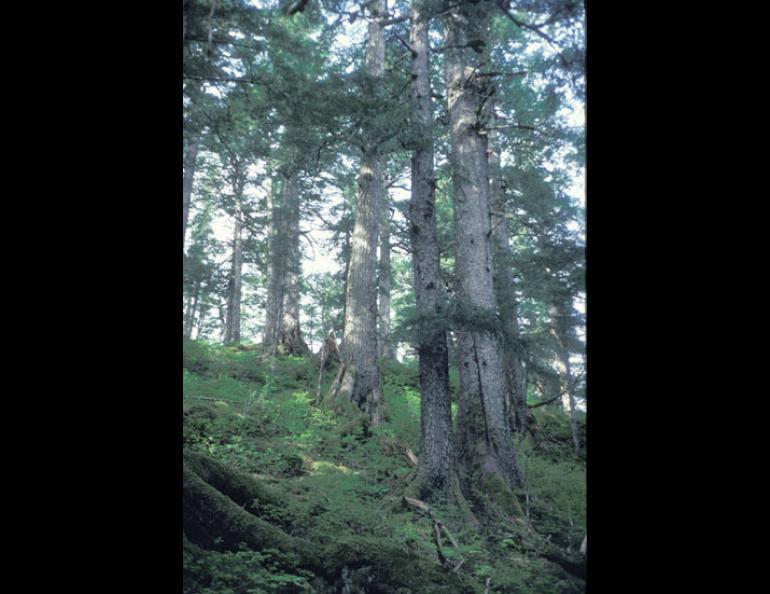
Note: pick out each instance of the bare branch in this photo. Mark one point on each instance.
(394, 20)
(298, 6)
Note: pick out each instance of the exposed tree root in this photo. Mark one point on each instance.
(247, 492)
(221, 508)
(575, 568)
(213, 520)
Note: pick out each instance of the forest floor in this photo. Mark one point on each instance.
(283, 496)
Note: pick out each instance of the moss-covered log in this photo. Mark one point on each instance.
(249, 493)
(213, 520)
(219, 507)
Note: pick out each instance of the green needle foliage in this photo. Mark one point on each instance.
(285, 492)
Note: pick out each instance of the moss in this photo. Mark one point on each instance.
(382, 563)
(499, 496)
(212, 520)
(312, 496)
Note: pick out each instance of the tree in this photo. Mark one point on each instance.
(485, 445)
(290, 338)
(437, 459)
(233, 320)
(359, 379)
(190, 156)
(385, 345)
(505, 291)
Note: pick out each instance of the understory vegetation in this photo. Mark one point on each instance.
(282, 495)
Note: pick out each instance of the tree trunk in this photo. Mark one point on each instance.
(505, 291)
(567, 386)
(359, 380)
(486, 446)
(187, 180)
(192, 304)
(185, 4)
(385, 346)
(276, 271)
(199, 323)
(290, 339)
(436, 462)
(347, 250)
(233, 323)
(572, 406)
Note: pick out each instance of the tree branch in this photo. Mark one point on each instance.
(298, 6)
(394, 20)
(249, 81)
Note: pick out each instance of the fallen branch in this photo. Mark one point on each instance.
(544, 403)
(437, 539)
(417, 504)
(424, 507)
(212, 399)
(410, 455)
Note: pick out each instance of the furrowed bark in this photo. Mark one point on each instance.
(360, 382)
(436, 462)
(485, 440)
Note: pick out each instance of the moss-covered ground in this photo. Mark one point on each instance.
(340, 491)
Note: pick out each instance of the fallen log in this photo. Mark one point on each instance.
(246, 491)
(214, 521)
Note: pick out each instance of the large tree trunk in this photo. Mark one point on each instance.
(233, 320)
(436, 462)
(276, 271)
(290, 339)
(506, 295)
(385, 346)
(359, 380)
(187, 180)
(485, 444)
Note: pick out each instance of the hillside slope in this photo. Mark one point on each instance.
(283, 496)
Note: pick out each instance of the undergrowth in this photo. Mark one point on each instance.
(338, 483)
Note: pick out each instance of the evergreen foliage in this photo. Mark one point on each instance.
(285, 491)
